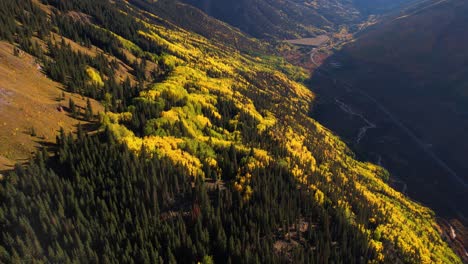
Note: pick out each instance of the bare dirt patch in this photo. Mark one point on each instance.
(456, 235)
(288, 240)
(316, 41)
(80, 17)
(5, 96)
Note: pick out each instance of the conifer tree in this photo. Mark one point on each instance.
(89, 111)
(72, 107)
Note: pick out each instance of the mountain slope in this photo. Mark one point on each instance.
(368, 7)
(408, 76)
(30, 106)
(283, 19)
(292, 18)
(420, 73)
(205, 153)
(192, 19)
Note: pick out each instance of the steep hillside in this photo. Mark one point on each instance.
(408, 77)
(31, 107)
(415, 65)
(368, 7)
(292, 18)
(192, 19)
(283, 19)
(205, 153)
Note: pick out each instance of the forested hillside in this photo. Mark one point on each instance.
(204, 153)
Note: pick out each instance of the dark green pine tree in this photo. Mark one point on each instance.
(72, 108)
(89, 111)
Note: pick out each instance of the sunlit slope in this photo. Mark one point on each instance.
(215, 98)
(193, 19)
(29, 107)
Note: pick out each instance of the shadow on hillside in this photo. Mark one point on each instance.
(349, 104)
(90, 127)
(48, 144)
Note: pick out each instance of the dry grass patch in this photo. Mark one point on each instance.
(29, 104)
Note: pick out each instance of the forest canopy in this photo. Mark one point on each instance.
(204, 154)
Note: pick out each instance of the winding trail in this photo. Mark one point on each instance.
(312, 59)
(362, 131)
